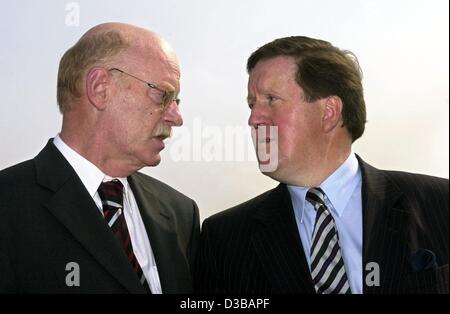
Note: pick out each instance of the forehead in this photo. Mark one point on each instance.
(272, 71)
(154, 65)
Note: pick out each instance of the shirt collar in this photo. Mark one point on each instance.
(298, 196)
(338, 187)
(89, 174)
(123, 180)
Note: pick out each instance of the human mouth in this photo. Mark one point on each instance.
(163, 132)
(264, 134)
(160, 142)
(264, 140)
(162, 137)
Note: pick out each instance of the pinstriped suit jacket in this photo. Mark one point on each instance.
(255, 247)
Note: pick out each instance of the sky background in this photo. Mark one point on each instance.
(402, 47)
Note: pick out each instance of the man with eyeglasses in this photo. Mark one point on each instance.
(79, 217)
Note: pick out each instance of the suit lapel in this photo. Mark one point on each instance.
(159, 224)
(277, 243)
(72, 205)
(384, 226)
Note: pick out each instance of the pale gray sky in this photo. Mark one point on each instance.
(402, 46)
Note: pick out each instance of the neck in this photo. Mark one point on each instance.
(90, 143)
(316, 167)
(327, 167)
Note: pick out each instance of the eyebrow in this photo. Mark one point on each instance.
(265, 93)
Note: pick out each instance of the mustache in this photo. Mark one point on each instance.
(163, 131)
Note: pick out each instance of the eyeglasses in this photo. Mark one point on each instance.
(160, 96)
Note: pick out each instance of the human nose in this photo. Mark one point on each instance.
(258, 116)
(172, 115)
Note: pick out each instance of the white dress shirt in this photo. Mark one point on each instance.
(343, 198)
(92, 177)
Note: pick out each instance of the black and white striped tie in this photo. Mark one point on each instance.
(327, 265)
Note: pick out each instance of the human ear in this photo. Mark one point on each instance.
(97, 84)
(332, 113)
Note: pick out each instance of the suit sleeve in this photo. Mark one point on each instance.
(206, 276)
(195, 234)
(7, 275)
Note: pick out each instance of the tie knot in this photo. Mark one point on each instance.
(316, 197)
(111, 191)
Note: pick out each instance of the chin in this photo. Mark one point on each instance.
(152, 161)
(271, 174)
(277, 172)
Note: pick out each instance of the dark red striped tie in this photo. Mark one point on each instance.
(111, 194)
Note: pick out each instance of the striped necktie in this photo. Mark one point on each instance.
(327, 265)
(111, 194)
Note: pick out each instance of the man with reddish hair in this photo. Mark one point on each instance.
(334, 224)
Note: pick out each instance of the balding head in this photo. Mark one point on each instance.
(117, 90)
(136, 37)
(103, 45)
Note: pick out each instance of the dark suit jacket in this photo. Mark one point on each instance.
(48, 219)
(255, 247)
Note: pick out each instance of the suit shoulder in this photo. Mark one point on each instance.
(427, 197)
(16, 182)
(239, 212)
(414, 182)
(159, 188)
(20, 173)
(231, 228)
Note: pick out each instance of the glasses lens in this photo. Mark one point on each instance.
(169, 97)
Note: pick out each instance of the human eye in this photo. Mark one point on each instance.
(169, 97)
(250, 102)
(156, 94)
(271, 98)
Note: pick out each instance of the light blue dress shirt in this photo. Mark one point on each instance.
(343, 198)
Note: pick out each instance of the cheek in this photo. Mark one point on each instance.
(143, 117)
(149, 125)
(294, 134)
(288, 128)
(151, 121)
